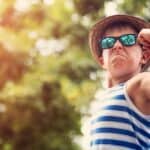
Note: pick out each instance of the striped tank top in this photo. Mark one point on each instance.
(118, 124)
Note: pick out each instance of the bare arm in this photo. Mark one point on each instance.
(138, 89)
(144, 87)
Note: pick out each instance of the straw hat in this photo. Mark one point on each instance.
(98, 29)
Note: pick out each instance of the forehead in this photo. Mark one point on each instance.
(122, 27)
(119, 30)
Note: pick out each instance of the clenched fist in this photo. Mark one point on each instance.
(144, 38)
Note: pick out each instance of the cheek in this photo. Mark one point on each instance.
(106, 58)
(136, 55)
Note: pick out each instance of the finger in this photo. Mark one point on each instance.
(144, 43)
(145, 33)
(146, 47)
(143, 40)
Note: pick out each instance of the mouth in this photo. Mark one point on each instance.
(118, 56)
(118, 59)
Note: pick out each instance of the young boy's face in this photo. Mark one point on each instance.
(120, 60)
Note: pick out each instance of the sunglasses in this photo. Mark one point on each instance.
(126, 40)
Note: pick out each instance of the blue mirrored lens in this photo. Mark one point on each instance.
(128, 40)
(108, 42)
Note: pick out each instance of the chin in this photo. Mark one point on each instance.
(118, 63)
(120, 71)
(117, 74)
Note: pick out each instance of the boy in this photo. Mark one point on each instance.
(121, 45)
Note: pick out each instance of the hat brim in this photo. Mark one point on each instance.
(97, 30)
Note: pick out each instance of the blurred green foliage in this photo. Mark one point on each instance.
(47, 75)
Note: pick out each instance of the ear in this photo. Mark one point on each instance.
(102, 62)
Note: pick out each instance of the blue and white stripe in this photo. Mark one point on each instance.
(117, 125)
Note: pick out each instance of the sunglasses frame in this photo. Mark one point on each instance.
(120, 40)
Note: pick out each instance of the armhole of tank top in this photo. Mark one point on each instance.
(132, 106)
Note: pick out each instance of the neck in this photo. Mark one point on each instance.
(121, 79)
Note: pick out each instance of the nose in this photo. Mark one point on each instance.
(118, 45)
